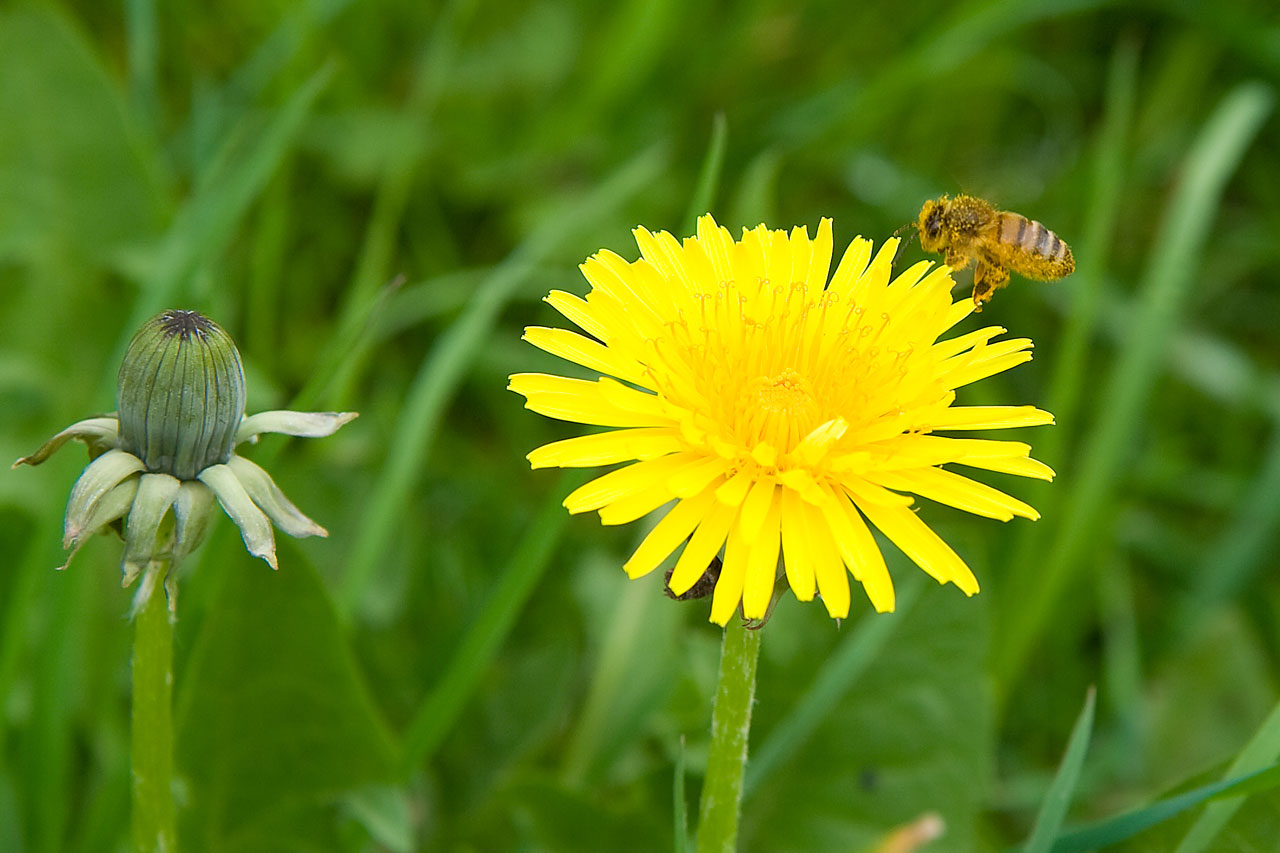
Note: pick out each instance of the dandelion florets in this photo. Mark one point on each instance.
(777, 411)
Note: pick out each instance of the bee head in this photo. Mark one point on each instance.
(930, 224)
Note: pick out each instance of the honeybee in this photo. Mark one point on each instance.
(966, 228)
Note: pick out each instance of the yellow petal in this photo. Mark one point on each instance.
(943, 350)
(756, 507)
(612, 276)
(665, 254)
(814, 446)
(986, 361)
(607, 448)
(636, 505)
(734, 491)
(815, 278)
(851, 267)
(667, 534)
(829, 572)
(925, 548)
(718, 245)
(733, 574)
(858, 549)
(865, 491)
(579, 312)
(989, 417)
(1023, 466)
(799, 554)
(574, 347)
(692, 480)
(870, 285)
(762, 562)
(578, 400)
(958, 491)
(615, 485)
(702, 546)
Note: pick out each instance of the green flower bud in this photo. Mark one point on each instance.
(181, 394)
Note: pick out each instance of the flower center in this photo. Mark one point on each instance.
(759, 367)
(786, 394)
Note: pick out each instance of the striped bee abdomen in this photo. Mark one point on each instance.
(1033, 249)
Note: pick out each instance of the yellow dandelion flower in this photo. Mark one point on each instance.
(780, 411)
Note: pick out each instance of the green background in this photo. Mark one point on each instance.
(372, 198)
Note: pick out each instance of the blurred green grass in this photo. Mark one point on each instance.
(373, 198)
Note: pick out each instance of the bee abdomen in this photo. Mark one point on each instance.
(1030, 237)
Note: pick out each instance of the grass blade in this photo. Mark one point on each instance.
(437, 714)
(704, 192)
(451, 358)
(205, 225)
(1163, 296)
(434, 70)
(1239, 552)
(1130, 824)
(1056, 802)
(1262, 751)
(144, 61)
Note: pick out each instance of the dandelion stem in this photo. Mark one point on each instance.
(730, 730)
(151, 752)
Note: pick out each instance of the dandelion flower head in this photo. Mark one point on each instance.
(783, 413)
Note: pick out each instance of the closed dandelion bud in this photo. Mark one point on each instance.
(164, 461)
(181, 394)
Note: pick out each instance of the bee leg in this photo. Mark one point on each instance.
(956, 260)
(987, 279)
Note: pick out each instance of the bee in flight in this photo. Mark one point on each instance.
(966, 228)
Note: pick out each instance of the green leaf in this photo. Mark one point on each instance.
(1263, 749)
(273, 719)
(1054, 808)
(637, 648)
(1131, 823)
(74, 178)
(555, 818)
(912, 736)
(386, 815)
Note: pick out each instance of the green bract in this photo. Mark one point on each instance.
(170, 452)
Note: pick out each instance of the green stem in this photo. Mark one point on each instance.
(151, 753)
(730, 730)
